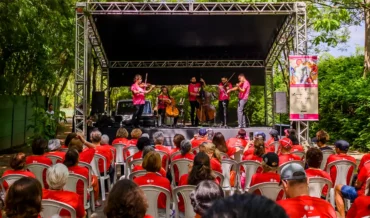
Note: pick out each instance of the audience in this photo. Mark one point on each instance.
(105, 142)
(177, 139)
(249, 148)
(158, 144)
(87, 154)
(185, 151)
(219, 141)
(135, 135)
(200, 138)
(274, 137)
(152, 164)
(258, 151)
(68, 139)
(298, 203)
(121, 137)
(204, 195)
(141, 144)
(322, 138)
(199, 170)
(18, 164)
(23, 199)
(285, 154)
(146, 150)
(294, 138)
(245, 206)
(270, 163)
(126, 200)
(57, 176)
(214, 155)
(238, 140)
(54, 150)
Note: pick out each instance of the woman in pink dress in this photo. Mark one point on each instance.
(138, 98)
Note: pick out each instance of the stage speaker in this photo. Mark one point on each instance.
(97, 103)
(280, 103)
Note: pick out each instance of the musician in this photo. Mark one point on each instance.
(194, 91)
(243, 87)
(164, 100)
(223, 99)
(138, 90)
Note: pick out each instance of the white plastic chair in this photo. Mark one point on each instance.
(227, 165)
(136, 174)
(238, 155)
(224, 155)
(174, 154)
(299, 153)
(184, 191)
(325, 155)
(54, 158)
(104, 177)
(131, 163)
(182, 167)
(343, 167)
(270, 190)
(119, 161)
(71, 185)
(195, 150)
(38, 170)
(132, 150)
(9, 179)
(51, 208)
(90, 188)
(219, 176)
(163, 154)
(152, 193)
(250, 168)
(316, 184)
(290, 162)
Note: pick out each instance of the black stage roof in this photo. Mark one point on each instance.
(186, 37)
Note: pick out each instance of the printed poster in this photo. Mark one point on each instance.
(304, 94)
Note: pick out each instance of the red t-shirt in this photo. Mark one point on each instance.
(82, 171)
(249, 151)
(40, 159)
(333, 170)
(173, 150)
(364, 159)
(231, 151)
(188, 156)
(87, 155)
(139, 167)
(107, 153)
(283, 158)
(362, 177)
(70, 198)
(311, 173)
(132, 142)
(137, 155)
(164, 149)
(194, 88)
(306, 206)
(216, 165)
(360, 208)
(155, 179)
(120, 141)
(162, 101)
(112, 148)
(297, 148)
(233, 142)
(222, 94)
(264, 177)
(60, 154)
(196, 142)
(19, 172)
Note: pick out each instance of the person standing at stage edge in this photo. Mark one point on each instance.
(243, 87)
(223, 99)
(194, 91)
(138, 98)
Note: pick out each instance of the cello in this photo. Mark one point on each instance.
(206, 112)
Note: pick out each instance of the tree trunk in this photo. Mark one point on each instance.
(65, 83)
(367, 40)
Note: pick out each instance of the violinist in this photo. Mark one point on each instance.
(194, 91)
(164, 100)
(223, 99)
(138, 90)
(243, 87)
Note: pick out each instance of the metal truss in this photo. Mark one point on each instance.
(188, 64)
(194, 8)
(96, 44)
(104, 87)
(269, 99)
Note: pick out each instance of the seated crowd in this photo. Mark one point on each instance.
(235, 177)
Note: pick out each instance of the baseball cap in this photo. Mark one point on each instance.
(261, 134)
(286, 142)
(292, 171)
(202, 131)
(271, 159)
(342, 145)
(242, 132)
(274, 132)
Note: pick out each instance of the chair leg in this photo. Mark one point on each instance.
(102, 189)
(115, 174)
(332, 197)
(89, 211)
(109, 185)
(92, 200)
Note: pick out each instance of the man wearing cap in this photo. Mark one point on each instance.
(285, 154)
(200, 138)
(298, 203)
(239, 140)
(270, 163)
(274, 137)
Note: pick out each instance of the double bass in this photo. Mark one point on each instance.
(206, 111)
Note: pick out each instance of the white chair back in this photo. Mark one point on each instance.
(54, 158)
(238, 155)
(250, 168)
(119, 152)
(289, 162)
(325, 155)
(219, 177)
(224, 155)
(89, 168)
(227, 166)
(38, 170)
(343, 167)
(136, 174)
(103, 177)
(367, 186)
(184, 191)
(52, 207)
(131, 163)
(299, 153)
(174, 154)
(90, 189)
(182, 166)
(131, 149)
(71, 185)
(152, 193)
(9, 179)
(163, 154)
(270, 190)
(316, 184)
(195, 150)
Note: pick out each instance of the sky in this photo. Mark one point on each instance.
(356, 40)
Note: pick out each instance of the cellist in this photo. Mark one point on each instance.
(164, 99)
(138, 90)
(194, 91)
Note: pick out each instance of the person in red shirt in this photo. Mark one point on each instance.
(126, 199)
(18, 164)
(158, 144)
(54, 146)
(95, 137)
(185, 154)
(141, 144)
(223, 99)
(299, 203)
(177, 139)
(285, 154)
(194, 91)
(105, 142)
(294, 138)
(121, 136)
(86, 155)
(200, 138)
(249, 149)
(164, 100)
(314, 158)
(57, 176)
(270, 163)
(23, 198)
(146, 150)
(274, 138)
(214, 155)
(360, 207)
(138, 90)
(152, 164)
(239, 140)
(364, 161)
(219, 141)
(258, 151)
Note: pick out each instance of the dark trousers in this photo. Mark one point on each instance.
(193, 116)
(162, 113)
(221, 111)
(111, 172)
(137, 115)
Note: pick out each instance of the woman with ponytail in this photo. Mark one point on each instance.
(220, 143)
(259, 151)
(214, 156)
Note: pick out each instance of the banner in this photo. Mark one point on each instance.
(304, 94)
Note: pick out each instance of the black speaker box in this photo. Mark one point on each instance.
(97, 103)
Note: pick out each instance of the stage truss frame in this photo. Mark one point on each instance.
(86, 33)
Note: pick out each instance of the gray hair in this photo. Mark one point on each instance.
(104, 139)
(158, 137)
(146, 135)
(95, 136)
(57, 176)
(185, 147)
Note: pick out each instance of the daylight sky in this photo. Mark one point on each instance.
(356, 40)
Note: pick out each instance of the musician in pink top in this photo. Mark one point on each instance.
(194, 91)
(138, 90)
(243, 87)
(223, 99)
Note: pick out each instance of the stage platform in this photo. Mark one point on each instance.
(188, 132)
